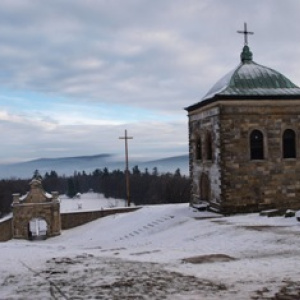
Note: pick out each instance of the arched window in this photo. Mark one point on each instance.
(198, 149)
(289, 143)
(256, 145)
(208, 146)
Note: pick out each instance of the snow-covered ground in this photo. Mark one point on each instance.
(158, 252)
(88, 202)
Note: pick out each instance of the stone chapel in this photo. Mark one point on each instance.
(244, 141)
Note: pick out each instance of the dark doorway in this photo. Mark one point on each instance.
(204, 188)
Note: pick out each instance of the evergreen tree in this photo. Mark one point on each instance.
(37, 175)
(71, 188)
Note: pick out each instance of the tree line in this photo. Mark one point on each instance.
(145, 187)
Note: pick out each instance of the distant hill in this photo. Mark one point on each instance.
(68, 165)
(169, 164)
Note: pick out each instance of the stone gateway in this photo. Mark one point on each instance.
(36, 214)
(244, 141)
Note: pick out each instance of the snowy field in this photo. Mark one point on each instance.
(158, 252)
(88, 202)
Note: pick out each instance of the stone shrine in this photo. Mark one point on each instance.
(36, 214)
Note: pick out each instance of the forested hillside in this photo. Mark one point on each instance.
(145, 187)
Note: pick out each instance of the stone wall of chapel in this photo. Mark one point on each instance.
(251, 185)
(206, 121)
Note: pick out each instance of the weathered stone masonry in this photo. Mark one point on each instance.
(6, 230)
(272, 182)
(241, 183)
(200, 125)
(36, 204)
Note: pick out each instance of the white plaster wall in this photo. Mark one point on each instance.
(207, 120)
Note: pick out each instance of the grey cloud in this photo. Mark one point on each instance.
(148, 53)
(35, 139)
(46, 39)
(157, 55)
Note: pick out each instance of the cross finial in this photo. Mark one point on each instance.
(245, 33)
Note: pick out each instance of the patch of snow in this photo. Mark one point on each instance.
(49, 196)
(22, 198)
(139, 253)
(6, 217)
(89, 202)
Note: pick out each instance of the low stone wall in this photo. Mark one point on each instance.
(71, 220)
(6, 230)
(68, 220)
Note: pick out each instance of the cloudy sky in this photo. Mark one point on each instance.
(75, 74)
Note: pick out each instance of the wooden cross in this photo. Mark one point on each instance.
(126, 138)
(245, 33)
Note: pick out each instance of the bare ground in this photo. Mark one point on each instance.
(89, 277)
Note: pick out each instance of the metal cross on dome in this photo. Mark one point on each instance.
(245, 33)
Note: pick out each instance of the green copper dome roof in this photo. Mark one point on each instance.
(251, 80)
